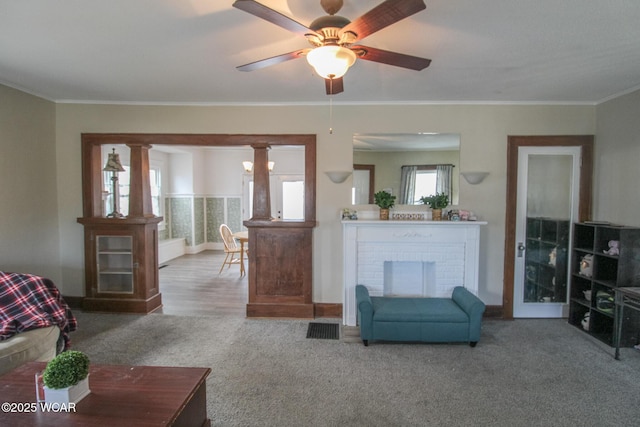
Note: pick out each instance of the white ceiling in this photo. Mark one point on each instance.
(186, 51)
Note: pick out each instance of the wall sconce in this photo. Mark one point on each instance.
(114, 166)
(338, 177)
(474, 178)
(248, 166)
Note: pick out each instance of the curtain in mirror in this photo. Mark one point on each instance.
(407, 184)
(443, 179)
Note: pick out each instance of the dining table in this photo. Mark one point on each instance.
(242, 237)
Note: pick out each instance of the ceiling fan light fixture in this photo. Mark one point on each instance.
(331, 61)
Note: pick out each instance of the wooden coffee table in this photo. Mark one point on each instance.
(120, 396)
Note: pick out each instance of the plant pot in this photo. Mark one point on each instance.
(436, 214)
(384, 214)
(64, 396)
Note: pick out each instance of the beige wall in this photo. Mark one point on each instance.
(483, 129)
(617, 155)
(41, 198)
(28, 188)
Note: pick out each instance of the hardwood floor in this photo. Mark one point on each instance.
(191, 285)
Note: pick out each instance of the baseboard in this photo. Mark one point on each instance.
(280, 310)
(113, 305)
(170, 249)
(321, 310)
(73, 302)
(494, 312)
(327, 310)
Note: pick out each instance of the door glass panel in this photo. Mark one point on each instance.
(549, 183)
(548, 187)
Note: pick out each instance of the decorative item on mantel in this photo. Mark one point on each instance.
(408, 216)
(349, 214)
(437, 202)
(462, 215)
(65, 379)
(385, 201)
(114, 166)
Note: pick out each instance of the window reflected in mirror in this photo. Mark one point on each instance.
(409, 165)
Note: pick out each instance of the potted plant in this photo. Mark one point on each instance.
(437, 202)
(66, 378)
(385, 201)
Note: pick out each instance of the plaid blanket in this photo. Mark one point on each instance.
(30, 302)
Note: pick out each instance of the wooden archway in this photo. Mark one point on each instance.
(281, 252)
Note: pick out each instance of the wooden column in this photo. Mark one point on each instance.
(140, 205)
(261, 192)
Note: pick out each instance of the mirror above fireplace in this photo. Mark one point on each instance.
(378, 159)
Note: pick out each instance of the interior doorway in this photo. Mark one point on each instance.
(291, 238)
(562, 151)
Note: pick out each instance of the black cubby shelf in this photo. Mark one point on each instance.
(593, 293)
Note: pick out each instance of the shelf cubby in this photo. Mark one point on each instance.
(608, 273)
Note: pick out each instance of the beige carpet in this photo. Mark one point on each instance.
(267, 373)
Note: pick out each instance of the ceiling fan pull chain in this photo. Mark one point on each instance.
(331, 110)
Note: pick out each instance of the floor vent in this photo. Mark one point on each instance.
(323, 331)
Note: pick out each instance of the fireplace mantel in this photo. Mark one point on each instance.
(452, 246)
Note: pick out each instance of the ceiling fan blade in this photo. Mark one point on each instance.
(334, 86)
(275, 17)
(383, 15)
(391, 58)
(273, 60)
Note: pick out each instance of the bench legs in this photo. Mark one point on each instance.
(366, 343)
(473, 343)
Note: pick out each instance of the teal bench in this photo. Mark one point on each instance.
(455, 319)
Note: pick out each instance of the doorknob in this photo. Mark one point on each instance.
(521, 249)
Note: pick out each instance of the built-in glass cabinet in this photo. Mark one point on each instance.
(115, 264)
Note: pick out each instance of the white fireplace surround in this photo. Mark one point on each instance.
(449, 248)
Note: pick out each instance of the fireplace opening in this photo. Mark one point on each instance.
(409, 278)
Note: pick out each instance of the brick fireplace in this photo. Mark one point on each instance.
(413, 258)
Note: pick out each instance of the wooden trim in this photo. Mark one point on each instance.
(493, 312)
(73, 301)
(123, 305)
(295, 304)
(140, 204)
(328, 310)
(584, 203)
(92, 169)
(285, 310)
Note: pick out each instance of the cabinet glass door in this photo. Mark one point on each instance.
(115, 264)
(548, 190)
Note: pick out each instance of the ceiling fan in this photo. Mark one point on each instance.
(333, 37)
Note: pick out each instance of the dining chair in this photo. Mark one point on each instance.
(231, 249)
